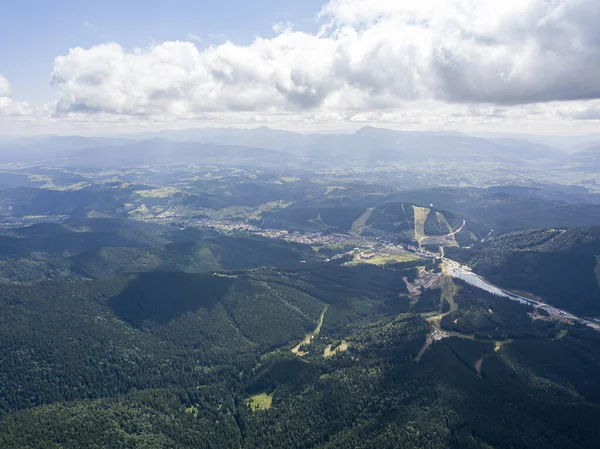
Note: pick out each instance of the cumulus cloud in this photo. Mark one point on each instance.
(582, 111)
(369, 56)
(10, 108)
(4, 87)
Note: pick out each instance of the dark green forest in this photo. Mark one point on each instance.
(128, 335)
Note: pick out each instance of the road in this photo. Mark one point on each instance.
(452, 234)
(441, 239)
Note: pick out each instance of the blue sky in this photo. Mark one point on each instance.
(34, 32)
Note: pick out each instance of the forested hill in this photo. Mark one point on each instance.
(560, 265)
(170, 360)
(509, 209)
(127, 335)
(97, 248)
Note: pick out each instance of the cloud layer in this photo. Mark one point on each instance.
(526, 65)
(370, 55)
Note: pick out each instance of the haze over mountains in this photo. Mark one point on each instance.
(368, 145)
(268, 289)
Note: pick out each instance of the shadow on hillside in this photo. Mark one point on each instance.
(161, 297)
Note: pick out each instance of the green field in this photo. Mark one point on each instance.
(384, 259)
(262, 401)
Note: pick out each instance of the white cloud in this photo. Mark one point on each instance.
(19, 110)
(522, 65)
(4, 87)
(510, 51)
(584, 111)
(371, 55)
(194, 38)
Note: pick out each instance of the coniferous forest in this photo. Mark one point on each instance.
(168, 338)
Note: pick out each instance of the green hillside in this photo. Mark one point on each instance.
(146, 336)
(193, 390)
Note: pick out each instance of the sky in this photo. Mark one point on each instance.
(88, 67)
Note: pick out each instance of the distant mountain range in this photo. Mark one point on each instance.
(366, 146)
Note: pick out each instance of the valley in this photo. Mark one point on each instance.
(345, 224)
(245, 302)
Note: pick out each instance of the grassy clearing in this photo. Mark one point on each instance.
(500, 344)
(332, 189)
(309, 337)
(261, 401)
(76, 186)
(424, 348)
(318, 221)
(478, 365)
(223, 275)
(361, 221)
(384, 259)
(164, 192)
(562, 334)
(421, 214)
(266, 207)
(141, 211)
(49, 184)
(41, 178)
(288, 179)
(193, 410)
(449, 291)
(329, 352)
